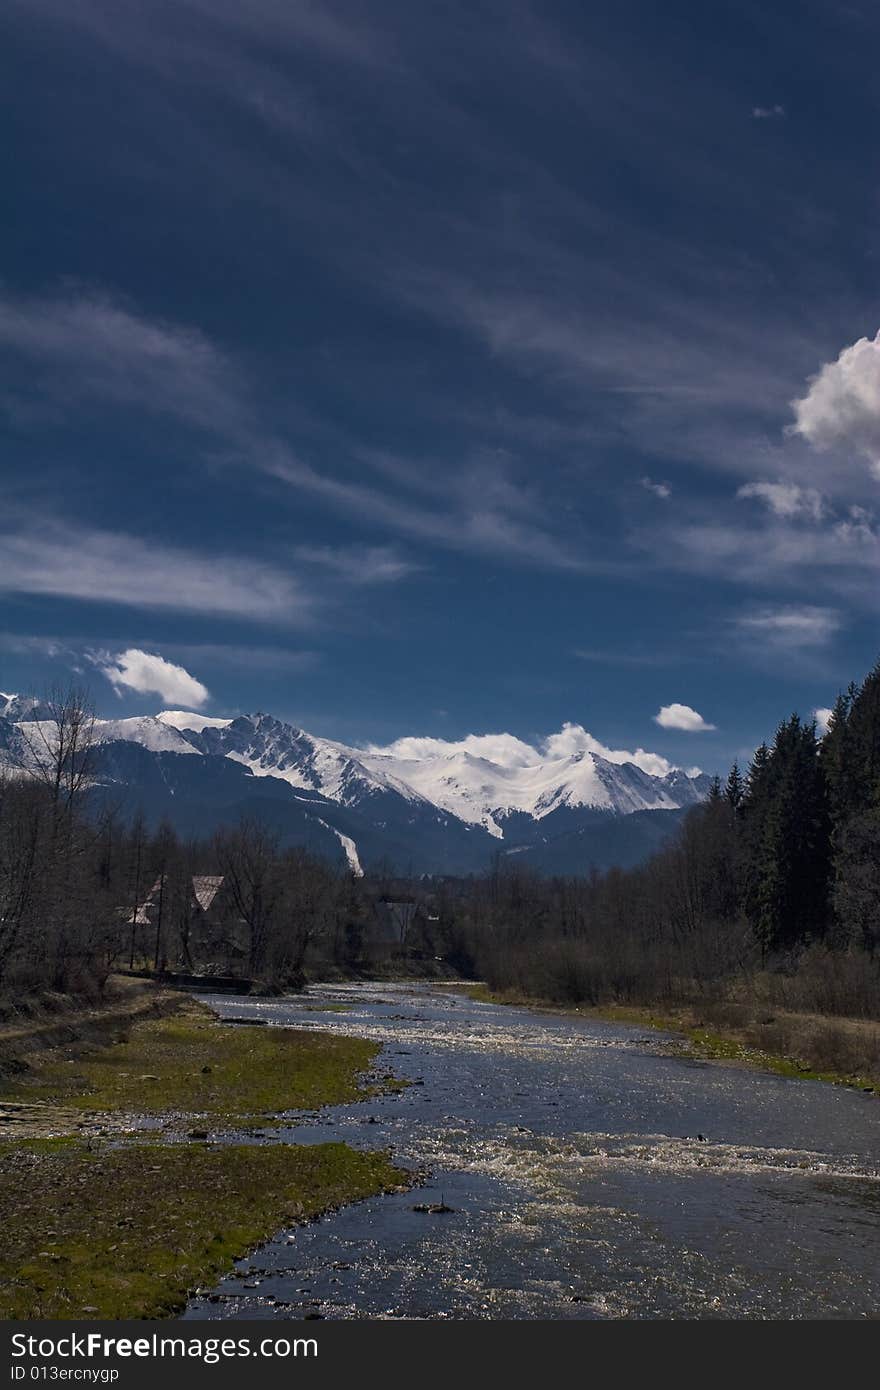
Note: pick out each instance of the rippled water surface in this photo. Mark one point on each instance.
(592, 1173)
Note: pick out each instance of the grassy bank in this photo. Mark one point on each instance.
(126, 1232)
(194, 1064)
(48, 1019)
(96, 1222)
(844, 1051)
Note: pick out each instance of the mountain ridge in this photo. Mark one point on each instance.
(420, 804)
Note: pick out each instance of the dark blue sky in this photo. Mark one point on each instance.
(435, 368)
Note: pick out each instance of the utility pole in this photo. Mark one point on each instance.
(159, 921)
(135, 904)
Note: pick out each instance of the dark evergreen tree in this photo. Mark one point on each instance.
(836, 757)
(860, 754)
(786, 841)
(756, 848)
(735, 788)
(851, 761)
(856, 891)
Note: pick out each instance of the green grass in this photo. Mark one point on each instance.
(194, 1064)
(126, 1232)
(126, 1229)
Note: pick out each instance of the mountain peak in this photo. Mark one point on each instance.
(420, 800)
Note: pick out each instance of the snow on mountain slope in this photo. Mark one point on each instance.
(17, 707)
(34, 737)
(150, 733)
(270, 748)
(348, 845)
(157, 734)
(482, 779)
(185, 719)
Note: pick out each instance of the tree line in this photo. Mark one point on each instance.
(86, 890)
(775, 877)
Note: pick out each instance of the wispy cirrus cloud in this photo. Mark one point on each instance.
(84, 347)
(473, 516)
(28, 644)
(87, 349)
(791, 627)
(786, 500)
(246, 656)
(662, 490)
(613, 656)
(788, 551)
(559, 301)
(125, 28)
(378, 564)
(69, 561)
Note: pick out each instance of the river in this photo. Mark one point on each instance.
(592, 1172)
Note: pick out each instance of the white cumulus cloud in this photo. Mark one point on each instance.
(681, 717)
(505, 750)
(842, 406)
(149, 674)
(573, 738)
(823, 719)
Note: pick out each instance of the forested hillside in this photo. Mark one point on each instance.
(771, 886)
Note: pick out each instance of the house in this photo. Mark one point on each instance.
(192, 919)
(205, 889)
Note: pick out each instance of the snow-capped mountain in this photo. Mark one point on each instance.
(17, 707)
(461, 778)
(484, 792)
(270, 748)
(420, 804)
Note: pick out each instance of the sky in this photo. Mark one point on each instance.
(443, 369)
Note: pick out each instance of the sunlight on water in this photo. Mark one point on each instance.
(592, 1172)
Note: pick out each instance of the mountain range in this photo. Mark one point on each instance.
(417, 806)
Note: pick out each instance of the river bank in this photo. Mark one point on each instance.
(843, 1051)
(571, 1168)
(48, 1019)
(133, 1161)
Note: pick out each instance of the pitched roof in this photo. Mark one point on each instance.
(206, 888)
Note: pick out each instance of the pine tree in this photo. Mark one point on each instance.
(836, 757)
(756, 848)
(758, 773)
(735, 788)
(861, 747)
(786, 874)
(851, 760)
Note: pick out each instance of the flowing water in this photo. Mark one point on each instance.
(592, 1172)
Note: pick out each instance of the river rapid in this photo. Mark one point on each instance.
(592, 1171)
